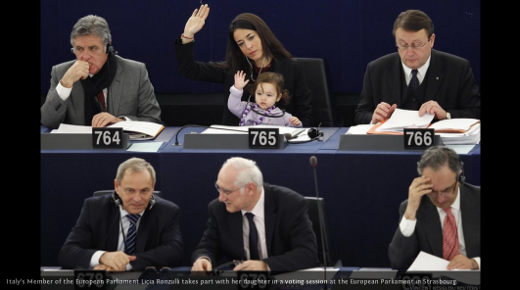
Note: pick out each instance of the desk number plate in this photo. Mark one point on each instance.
(107, 137)
(263, 138)
(419, 138)
(89, 279)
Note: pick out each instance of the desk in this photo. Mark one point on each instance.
(362, 189)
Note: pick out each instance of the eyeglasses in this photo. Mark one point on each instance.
(449, 191)
(227, 192)
(413, 46)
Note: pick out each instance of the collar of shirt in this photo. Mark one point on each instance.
(455, 210)
(123, 213)
(456, 204)
(421, 71)
(258, 209)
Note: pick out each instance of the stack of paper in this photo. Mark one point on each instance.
(462, 131)
(400, 120)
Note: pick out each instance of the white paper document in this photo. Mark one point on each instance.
(471, 137)
(68, 128)
(458, 124)
(145, 147)
(137, 130)
(297, 134)
(401, 119)
(359, 129)
(428, 262)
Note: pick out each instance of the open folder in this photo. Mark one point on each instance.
(139, 130)
(400, 120)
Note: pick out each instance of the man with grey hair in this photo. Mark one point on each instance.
(283, 240)
(441, 215)
(99, 87)
(129, 229)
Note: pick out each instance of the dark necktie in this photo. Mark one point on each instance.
(414, 82)
(101, 99)
(253, 238)
(450, 238)
(130, 235)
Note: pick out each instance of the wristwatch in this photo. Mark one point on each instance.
(448, 115)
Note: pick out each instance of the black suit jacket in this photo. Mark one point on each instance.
(159, 241)
(291, 242)
(450, 82)
(427, 235)
(291, 69)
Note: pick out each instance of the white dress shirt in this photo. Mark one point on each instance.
(125, 224)
(259, 220)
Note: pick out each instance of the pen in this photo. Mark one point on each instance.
(298, 134)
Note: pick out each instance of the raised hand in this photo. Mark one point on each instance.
(240, 81)
(196, 21)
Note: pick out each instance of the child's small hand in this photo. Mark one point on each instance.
(240, 83)
(295, 121)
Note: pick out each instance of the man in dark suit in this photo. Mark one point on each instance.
(438, 200)
(99, 239)
(286, 241)
(446, 85)
(74, 96)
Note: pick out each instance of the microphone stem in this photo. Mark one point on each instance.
(320, 217)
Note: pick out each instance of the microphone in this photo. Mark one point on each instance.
(314, 162)
(288, 136)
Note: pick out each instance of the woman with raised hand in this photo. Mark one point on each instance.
(252, 48)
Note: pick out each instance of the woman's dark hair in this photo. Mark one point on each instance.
(271, 46)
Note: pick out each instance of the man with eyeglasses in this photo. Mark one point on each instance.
(284, 236)
(417, 77)
(99, 87)
(441, 215)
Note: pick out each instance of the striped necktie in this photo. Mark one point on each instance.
(131, 234)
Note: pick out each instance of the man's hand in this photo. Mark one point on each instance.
(78, 70)
(115, 261)
(382, 112)
(103, 119)
(251, 265)
(201, 265)
(462, 262)
(420, 186)
(432, 107)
